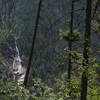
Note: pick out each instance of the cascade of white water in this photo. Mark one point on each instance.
(19, 60)
(18, 70)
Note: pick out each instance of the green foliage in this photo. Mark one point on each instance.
(49, 57)
(66, 35)
(64, 89)
(76, 56)
(40, 91)
(94, 85)
(12, 91)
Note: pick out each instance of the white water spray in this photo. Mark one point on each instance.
(18, 70)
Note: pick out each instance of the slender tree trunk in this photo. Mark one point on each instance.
(86, 52)
(70, 41)
(33, 43)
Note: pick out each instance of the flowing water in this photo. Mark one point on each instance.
(18, 70)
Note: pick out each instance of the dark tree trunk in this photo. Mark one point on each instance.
(70, 41)
(86, 52)
(33, 43)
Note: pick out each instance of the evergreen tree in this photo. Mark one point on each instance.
(33, 42)
(71, 36)
(86, 52)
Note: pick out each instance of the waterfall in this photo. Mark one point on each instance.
(18, 70)
(19, 60)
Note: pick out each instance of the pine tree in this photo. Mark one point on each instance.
(33, 42)
(86, 52)
(71, 36)
(70, 40)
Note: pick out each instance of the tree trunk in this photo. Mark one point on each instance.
(86, 52)
(33, 43)
(70, 41)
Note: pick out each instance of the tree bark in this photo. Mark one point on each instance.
(70, 41)
(33, 43)
(86, 52)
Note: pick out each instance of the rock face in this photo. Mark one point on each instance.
(18, 70)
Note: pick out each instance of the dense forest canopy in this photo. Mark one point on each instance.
(64, 62)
